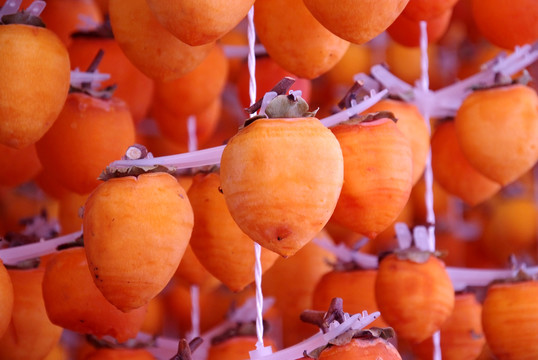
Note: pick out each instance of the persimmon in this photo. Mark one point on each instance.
(59, 352)
(355, 287)
(217, 241)
(511, 229)
(407, 32)
(120, 354)
(70, 212)
(147, 222)
(236, 347)
(462, 337)
(74, 302)
(174, 126)
(377, 175)
(505, 23)
(87, 126)
(64, 17)
(413, 125)
(268, 73)
(415, 298)
(295, 39)
(197, 89)
(291, 297)
(452, 170)
(18, 166)
(149, 46)
(281, 176)
(418, 10)
(509, 316)
(490, 139)
(155, 316)
(48, 183)
(135, 88)
(30, 334)
(342, 19)
(6, 300)
(200, 22)
(33, 90)
(367, 349)
(357, 59)
(191, 271)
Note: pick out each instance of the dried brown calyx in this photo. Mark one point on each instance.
(88, 88)
(103, 31)
(336, 313)
(22, 18)
(240, 329)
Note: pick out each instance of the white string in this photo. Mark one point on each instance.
(259, 295)
(251, 33)
(195, 311)
(191, 129)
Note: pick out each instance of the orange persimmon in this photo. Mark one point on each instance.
(452, 170)
(149, 46)
(88, 134)
(507, 23)
(407, 32)
(18, 166)
(509, 317)
(415, 298)
(237, 347)
(462, 337)
(364, 349)
(73, 301)
(30, 334)
(377, 175)
(33, 90)
(133, 87)
(375, 15)
(281, 177)
(295, 39)
(120, 354)
(6, 300)
(145, 221)
(418, 10)
(220, 245)
(413, 125)
(292, 297)
(497, 130)
(64, 17)
(70, 207)
(198, 22)
(191, 271)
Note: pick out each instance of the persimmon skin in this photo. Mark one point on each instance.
(363, 349)
(412, 124)
(236, 348)
(150, 47)
(418, 10)
(414, 298)
(453, 171)
(506, 23)
(407, 32)
(135, 88)
(30, 334)
(87, 128)
(6, 300)
(125, 218)
(217, 241)
(199, 22)
(498, 131)
(33, 90)
(295, 39)
(377, 176)
(356, 288)
(119, 354)
(509, 317)
(18, 166)
(341, 18)
(281, 179)
(74, 302)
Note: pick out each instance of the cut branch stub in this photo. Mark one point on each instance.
(185, 349)
(324, 319)
(280, 88)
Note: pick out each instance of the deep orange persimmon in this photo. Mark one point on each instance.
(219, 244)
(133, 87)
(198, 22)
(149, 46)
(414, 298)
(407, 32)
(237, 347)
(364, 349)
(146, 222)
(295, 39)
(377, 175)
(281, 179)
(87, 127)
(18, 166)
(120, 354)
(418, 10)
(6, 300)
(33, 91)
(497, 130)
(30, 334)
(74, 302)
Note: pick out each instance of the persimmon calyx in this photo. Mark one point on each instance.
(185, 349)
(520, 276)
(22, 18)
(102, 31)
(239, 329)
(413, 254)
